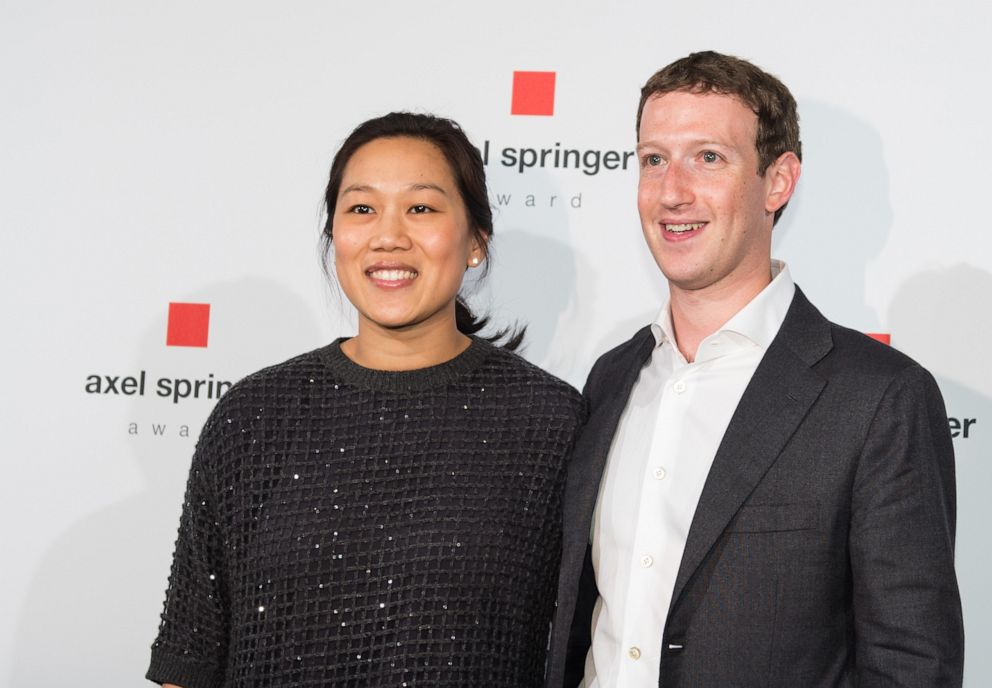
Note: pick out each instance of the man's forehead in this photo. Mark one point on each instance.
(688, 111)
(698, 98)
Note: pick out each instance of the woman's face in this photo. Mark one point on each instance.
(402, 239)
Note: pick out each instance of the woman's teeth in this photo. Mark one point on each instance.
(392, 275)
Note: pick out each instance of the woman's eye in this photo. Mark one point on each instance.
(360, 209)
(710, 156)
(420, 208)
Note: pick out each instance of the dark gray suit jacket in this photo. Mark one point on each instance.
(822, 549)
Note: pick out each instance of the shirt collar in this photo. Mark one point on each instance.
(758, 322)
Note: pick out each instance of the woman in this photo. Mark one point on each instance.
(383, 511)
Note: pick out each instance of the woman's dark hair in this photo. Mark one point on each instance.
(466, 166)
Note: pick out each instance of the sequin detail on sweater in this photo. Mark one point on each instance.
(350, 527)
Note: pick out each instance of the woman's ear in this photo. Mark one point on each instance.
(478, 252)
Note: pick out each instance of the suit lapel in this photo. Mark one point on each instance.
(607, 392)
(774, 404)
(589, 458)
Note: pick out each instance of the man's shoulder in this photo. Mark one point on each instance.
(610, 366)
(857, 346)
(857, 357)
(869, 369)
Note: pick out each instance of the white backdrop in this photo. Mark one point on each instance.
(153, 153)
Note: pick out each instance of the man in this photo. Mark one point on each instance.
(760, 497)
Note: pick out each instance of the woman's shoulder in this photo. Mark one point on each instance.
(512, 369)
(272, 387)
(289, 373)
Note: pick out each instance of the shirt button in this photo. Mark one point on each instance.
(646, 561)
(634, 653)
(659, 473)
(679, 387)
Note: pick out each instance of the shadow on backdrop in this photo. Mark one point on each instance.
(92, 610)
(840, 216)
(532, 277)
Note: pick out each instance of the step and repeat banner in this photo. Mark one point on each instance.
(161, 172)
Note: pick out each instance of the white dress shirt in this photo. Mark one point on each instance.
(668, 435)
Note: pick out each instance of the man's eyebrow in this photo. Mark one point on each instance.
(650, 145)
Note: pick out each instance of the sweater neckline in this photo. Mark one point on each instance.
(438, 375)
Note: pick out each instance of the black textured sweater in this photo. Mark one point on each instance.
(351, 527)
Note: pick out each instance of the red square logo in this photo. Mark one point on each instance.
(189, 324)
(533, 93)
(880, 337)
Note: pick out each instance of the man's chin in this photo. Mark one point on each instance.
(686, 280)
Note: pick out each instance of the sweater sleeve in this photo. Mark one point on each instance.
(191, 647)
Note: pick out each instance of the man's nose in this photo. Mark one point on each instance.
(675, 187)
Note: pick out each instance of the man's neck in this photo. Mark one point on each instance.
(698, 313)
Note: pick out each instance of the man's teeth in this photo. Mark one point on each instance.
(392, 275)
(688, 227)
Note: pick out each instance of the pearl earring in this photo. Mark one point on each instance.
(475, 261)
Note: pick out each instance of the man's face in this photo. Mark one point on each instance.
(705, 212)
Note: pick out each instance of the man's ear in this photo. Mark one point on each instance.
(781, 178)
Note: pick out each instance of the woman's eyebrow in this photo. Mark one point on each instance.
(426, 186)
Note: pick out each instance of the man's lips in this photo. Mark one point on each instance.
(682, 227)
(675, 232)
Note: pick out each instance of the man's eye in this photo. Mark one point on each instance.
(652, 160)
(710, 156)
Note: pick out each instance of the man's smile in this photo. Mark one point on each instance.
(683, 227)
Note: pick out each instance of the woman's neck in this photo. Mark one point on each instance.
(420, 346)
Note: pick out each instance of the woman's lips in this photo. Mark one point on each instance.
(392, 276)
